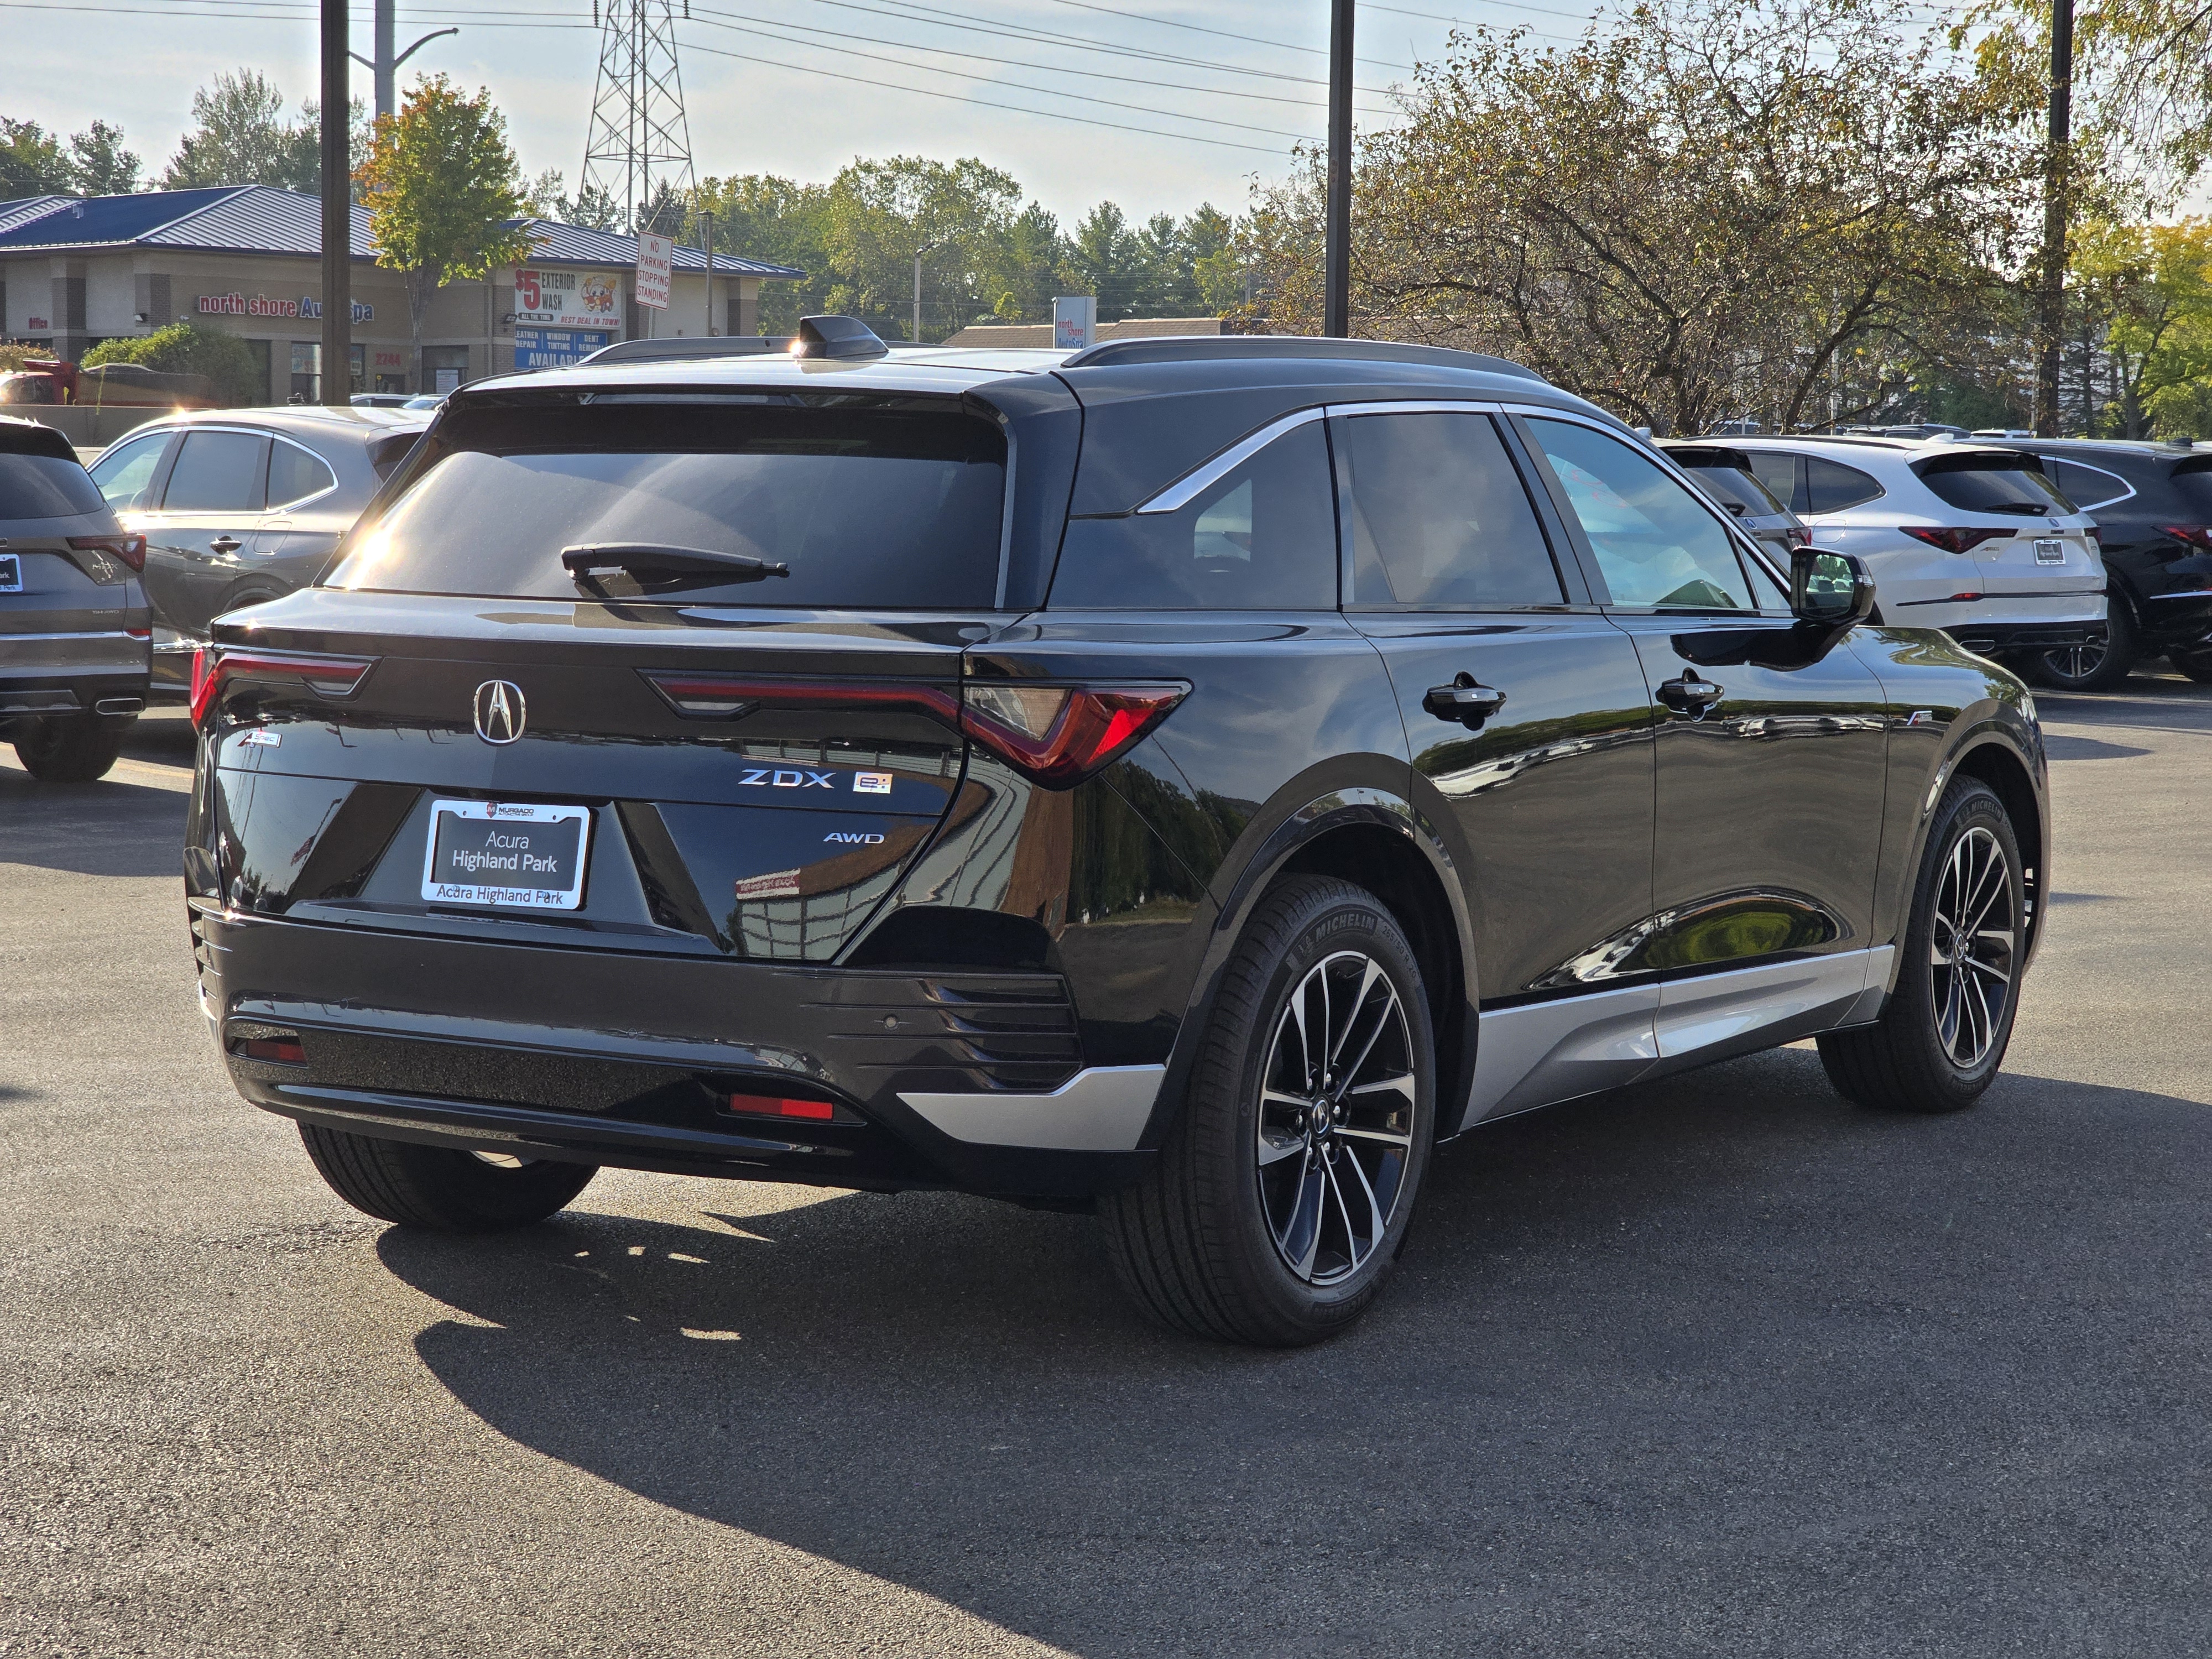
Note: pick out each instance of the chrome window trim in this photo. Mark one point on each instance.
(1203, 476)
(331, 488)
(98, 634)
(2128, 491)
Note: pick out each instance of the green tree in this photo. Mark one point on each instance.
(1104, 258)
(442, 187)
(240, 136)
(181, 349)
(99, 165)
(2150, 288)
(959, 217)
(32, 162)
(758, 216)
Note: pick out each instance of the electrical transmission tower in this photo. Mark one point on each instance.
(639, 149)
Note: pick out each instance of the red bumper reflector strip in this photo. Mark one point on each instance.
(776, 1106)
(278, 1051)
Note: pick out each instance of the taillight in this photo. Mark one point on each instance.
(215, 666)
(1058, 735)
(1953, 541)
(1054, 735)
(132, 550)
(2197, 535)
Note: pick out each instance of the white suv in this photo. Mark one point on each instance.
(1966, 536)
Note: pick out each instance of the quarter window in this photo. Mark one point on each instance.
(2088, 487)
(125, 473)
(216, 472)
(1261, 537)
(1781, 473)
(1439, 517)
(1656, 544)
(295, 474)
(1831, 487)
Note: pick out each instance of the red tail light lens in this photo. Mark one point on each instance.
(2197, 535)
(132, 550)
(1059, 735)
(1955, 541)
(216, 666)
(1054, 735)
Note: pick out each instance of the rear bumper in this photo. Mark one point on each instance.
(94, 685)
(970, 1081)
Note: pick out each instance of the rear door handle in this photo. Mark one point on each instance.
(1686, 693)
(1464, 701)
(225, 544)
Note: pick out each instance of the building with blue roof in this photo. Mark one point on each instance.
(246, 259)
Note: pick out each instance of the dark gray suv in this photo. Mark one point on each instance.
(74, 631)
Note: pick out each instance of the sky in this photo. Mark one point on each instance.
(944, 79)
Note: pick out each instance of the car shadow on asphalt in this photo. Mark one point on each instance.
(106, 829)
(1712, 1362)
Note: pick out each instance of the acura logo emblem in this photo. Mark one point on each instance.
(500, 713)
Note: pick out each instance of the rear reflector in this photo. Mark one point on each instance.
(777, 1106)
(280, 1051)
(214, 667)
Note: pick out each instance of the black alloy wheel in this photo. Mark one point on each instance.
(1940, 1041)
(1335, 1118)
(1279, 1205)
(2099, 666)
(69, 748)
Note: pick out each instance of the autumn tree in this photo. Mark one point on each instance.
(442, 190)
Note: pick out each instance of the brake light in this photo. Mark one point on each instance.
(1054, 735)
(2197, 535)
(132, 550)
(213, 667)
(1059, 735)
(1953, 541)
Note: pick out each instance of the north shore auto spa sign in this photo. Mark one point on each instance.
(259, 305)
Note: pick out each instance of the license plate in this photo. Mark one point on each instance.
(11, 574)
(495, 853)
(2049, 550)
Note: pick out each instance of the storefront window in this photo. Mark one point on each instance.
(359, 354)
(307, 371)
(444, 367)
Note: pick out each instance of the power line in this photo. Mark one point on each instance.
(1226, 34)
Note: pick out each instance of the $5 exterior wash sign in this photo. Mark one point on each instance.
(240, 305)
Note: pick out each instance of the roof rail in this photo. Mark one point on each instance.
(715, 346)
(1199, 348)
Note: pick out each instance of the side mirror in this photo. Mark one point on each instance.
(1831, 589)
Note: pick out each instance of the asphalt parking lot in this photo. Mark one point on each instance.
(1720, 1365)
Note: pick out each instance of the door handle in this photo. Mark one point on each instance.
(1686, 693)
(225, 544)
(1463, 700)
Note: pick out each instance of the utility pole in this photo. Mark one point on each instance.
(1336, 275)
(707, 223)
(337, 211)
(2050, 329)
(915, 333)
(386, 65)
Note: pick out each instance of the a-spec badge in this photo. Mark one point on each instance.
(499, 711)
(872, 783)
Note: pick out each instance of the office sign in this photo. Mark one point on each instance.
(260, 305)
(1075, 322)
(656, 269)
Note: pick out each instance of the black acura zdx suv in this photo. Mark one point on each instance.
(1184, 779)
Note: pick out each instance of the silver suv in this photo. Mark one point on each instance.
(76, 640)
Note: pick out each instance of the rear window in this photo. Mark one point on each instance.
(43, 487)
(893, 506)
(1990, 484)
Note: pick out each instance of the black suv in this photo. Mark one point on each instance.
(1187, 778)
(2153, 505)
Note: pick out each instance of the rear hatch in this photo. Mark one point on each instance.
(65, 575)
(2030, 544)
(726, 724)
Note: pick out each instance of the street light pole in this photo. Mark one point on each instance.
(1336, 276)
(385, 66)
(915, 333)
(337, 212)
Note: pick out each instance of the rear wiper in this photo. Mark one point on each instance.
(657, 564)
